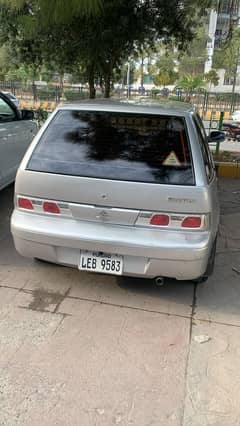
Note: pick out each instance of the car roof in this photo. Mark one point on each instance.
(142, 106)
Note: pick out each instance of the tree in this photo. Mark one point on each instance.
(190, 84)
(228, 56)
(212, 77)
(4, 61)
(44, 13)
(164, 70)
(97, 43)
(193, 60)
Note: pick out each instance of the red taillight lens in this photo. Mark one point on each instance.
(50, 207)
(192, 222)
(160, 220)
(25, 203)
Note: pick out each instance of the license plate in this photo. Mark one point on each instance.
(101, 262)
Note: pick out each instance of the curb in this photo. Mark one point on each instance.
(230, 170)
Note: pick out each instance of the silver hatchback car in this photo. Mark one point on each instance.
(120, 188)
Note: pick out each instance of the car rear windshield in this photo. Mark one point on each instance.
(114, 145)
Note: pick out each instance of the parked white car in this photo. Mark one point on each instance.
(17, 130)
(12, 98)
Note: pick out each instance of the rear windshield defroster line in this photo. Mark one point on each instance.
(116, 146)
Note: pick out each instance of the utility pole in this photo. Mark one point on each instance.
(211, 39)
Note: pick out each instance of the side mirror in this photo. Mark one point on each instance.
(216, 136)
(27, 114)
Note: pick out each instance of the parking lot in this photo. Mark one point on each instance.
(85, 349)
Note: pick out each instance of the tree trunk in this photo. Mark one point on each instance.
(92, 90)
(34, 90)
(142, 68)
(101, 84)
(107, 87)
(61, 75)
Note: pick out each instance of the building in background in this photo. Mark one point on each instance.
(226, 14)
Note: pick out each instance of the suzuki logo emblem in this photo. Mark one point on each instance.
(103, 215)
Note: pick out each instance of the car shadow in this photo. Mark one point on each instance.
(179, 292)
(6, 208)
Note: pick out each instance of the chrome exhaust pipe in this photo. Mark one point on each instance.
(159, 281)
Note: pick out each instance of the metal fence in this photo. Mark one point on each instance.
(204, 101)
(209, 101)
(42, 92)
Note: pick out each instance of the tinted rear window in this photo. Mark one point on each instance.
(118, 146)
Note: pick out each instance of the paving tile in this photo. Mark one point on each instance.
(173, 298)
(103, 365)
(6, 296)
(213, 378)
(219, 298)
(14, 276)
(22, 328)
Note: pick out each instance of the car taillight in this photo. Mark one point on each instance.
(44, 206)
(25, 203)
(160, 220)
(173, 220)
(192, 222)
(51, 207)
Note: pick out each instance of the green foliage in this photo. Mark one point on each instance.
(44, 13)
(48, 94)
(226, 156)
(227, 97)
(155, 92)
(190, 84)
(228, 56)
(4, 61)
(175, 98)
(193, 60)
(212, 77)
(71, 95)
(40, 115)
(163, 70)
(93, 36)
(24, 73)
(218, 58)
(120, 74)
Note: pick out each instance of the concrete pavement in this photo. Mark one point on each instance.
(85, 349)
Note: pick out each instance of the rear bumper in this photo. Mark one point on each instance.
(147, 252)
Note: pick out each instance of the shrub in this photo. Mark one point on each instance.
(47, 94)
(72, 95)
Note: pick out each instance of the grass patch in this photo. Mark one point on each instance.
(227, 157)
